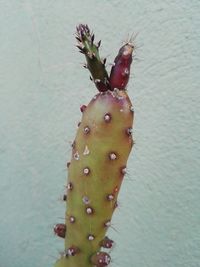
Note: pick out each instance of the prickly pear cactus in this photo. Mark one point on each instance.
(99, 157)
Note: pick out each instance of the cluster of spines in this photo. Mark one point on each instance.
(117, 80)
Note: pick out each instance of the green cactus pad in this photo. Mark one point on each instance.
(99, 157)
(100, 152)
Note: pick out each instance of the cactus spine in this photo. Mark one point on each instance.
(99, 156)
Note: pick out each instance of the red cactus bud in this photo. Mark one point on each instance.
(120, 71)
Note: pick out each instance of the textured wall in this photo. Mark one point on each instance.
(42, 86)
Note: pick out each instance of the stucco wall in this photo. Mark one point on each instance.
(42, 86)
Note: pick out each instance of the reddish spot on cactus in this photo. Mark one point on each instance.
(60, 229)
(106, 242)
(101, 259)
(83, 108)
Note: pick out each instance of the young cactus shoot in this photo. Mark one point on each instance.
(99, 157)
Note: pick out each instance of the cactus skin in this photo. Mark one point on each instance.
(98, 164)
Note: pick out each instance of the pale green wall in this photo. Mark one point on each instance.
(42, 86)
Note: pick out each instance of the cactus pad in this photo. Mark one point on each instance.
(98, 162)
